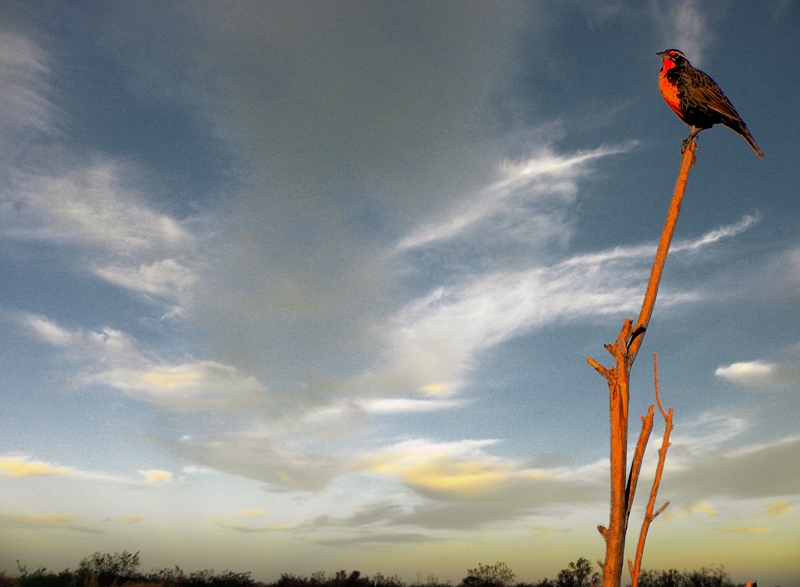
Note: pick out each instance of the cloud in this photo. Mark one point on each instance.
(371, 539)
(200, 385)
(748, 373)
(762, 373)
(436, 337)
(779, 508)
(92, 348)
(91, 210)
(132, 519)
(463, 472)
(164, 278)
(542, 178)
(25, 467)
(446, 468)
(194, 469)
(402, 405)
(745, 530)
(430, 346)
(90, 206)
(771, 470)
(683, 26)
(709, 431)
(277, 453)
(56, 521)
(156, 477)
(714, 236)
(249, 522)
(23, 86)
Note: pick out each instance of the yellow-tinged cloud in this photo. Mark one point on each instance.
(242, 522)
(49, 520)
(441, 468)
(168, 379)
(132, 519)
(702, 507)
(435, 388)
(778, 509)
(155, 477)
(24, 467)
(743, 530)
(446, 474)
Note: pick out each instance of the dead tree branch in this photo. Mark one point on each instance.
(624, 351)
(649, 515)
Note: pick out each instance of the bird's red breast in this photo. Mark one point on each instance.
(669, 90)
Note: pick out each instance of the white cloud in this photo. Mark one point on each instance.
(683, 26)
(106, 346)
(435, 338)
(399, 405)
(707, 432)
(750, 372)
(541, 178)
(23, 86)
(167, 278)
(714, 236)
(94, 208)
(89, 206)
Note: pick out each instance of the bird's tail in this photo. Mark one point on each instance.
(742, 130)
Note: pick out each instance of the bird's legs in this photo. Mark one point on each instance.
(692, 136)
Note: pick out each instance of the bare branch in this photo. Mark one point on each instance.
(638, 458)
(624, 350)
(649, 516)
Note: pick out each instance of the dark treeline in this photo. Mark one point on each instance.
(122, 569)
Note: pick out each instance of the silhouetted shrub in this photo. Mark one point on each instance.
(496, 575)
(578, 574)
(713, 577)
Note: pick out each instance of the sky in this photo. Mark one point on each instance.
(301, 286)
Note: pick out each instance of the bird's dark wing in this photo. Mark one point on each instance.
(711, 95)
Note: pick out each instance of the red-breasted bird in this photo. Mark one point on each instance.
(697, 99)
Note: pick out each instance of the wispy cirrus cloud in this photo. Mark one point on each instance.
(527, 190)
(683, 26)
(435, 337)
(24, 87)
(168, 277)
(92, 209)
(431, 344)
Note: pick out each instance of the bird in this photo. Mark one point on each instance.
(697, 99)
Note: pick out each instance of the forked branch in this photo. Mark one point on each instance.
(624, 351)
(649, 516)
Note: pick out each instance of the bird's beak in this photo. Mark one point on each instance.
(663, 54)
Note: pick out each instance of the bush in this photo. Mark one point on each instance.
(578, 574)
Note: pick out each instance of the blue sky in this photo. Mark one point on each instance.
(305, 286)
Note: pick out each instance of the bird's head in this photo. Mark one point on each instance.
(677, 57)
